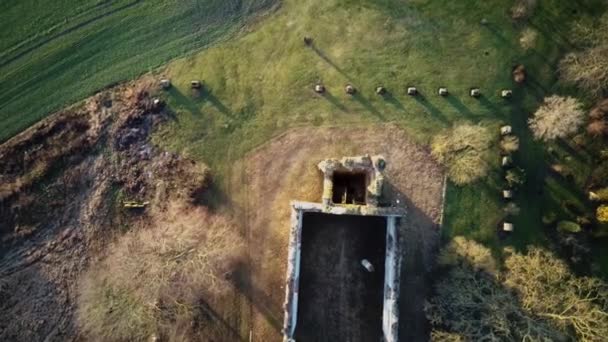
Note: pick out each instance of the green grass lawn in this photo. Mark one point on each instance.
(261, 84)
(55, 53)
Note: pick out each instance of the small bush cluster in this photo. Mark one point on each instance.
(588, 69)
(464, 150)
(558, 117)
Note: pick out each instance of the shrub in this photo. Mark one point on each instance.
(464, 150)
(549, 218)
(602, 213)
(597, 128)
(511, 209)
(522, 9)
(558, 117)
(527, 39)
(509, 143)
(568, 227)
(587, 69)
(515, 177)
(601, 194)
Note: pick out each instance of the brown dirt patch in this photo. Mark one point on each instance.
(284, 169)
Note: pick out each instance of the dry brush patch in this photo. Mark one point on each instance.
(465, 151)
(161, 275)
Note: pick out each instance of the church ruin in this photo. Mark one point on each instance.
(344, 258)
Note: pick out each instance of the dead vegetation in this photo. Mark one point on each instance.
(522, 10)
(63, 189)
(158, 276)
(557, 117)
(587, 68)
(536, 297)
(465, 152)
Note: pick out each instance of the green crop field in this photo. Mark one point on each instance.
(55, 53)
(260, 84)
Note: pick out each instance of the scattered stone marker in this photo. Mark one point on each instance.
(519, 73)
(506, 130)
(349, 89)
(475, 92)
(412, 91)
(367, 265)
(195, 84)
(506, 161)
(157, 103)
(507, 226)
(165, 83)
(380, 90)
(484, 21)
(506, 93)
(443, 91)
(319, 89)
(507, 194)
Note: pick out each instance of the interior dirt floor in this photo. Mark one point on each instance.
(264, 182)
(339, 300)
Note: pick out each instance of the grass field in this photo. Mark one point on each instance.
(260, 84)
(55, 53)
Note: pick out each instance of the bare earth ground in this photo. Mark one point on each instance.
(56, 216)
(284, 169)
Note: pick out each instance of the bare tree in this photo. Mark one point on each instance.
(537, 297)
(587, 69)
(558, 117)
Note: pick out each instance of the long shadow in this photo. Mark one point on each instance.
(185, 101)
(392, 100)
(334, 101)
(329, 61)
(67, 31)
(419, 239)
(493, 108)
(459, 106)
(207, 95)
(365, 103)
(242, 281)
(430, 108)
(228, 331)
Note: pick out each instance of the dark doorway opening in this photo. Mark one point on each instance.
(349, 188)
